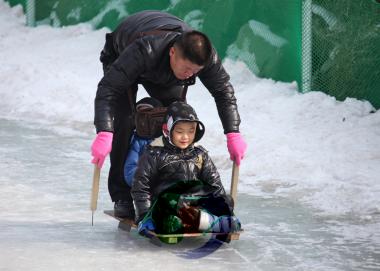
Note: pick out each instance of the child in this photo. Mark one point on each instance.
(176, 187)
(138, 142)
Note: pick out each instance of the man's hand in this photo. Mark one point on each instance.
(101, 147)
(236, 147)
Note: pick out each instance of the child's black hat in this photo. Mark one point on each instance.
(180, 111)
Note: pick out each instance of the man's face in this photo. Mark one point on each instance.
(183, 134)
(181, 67)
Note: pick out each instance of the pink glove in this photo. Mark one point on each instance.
(101, 147)
(236, 147)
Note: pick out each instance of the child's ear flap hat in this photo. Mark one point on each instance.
(180, 111)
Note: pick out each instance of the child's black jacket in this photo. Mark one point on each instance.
(162, 165)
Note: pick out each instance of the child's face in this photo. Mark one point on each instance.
(183, 134)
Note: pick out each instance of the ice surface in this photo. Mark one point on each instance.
(309, 191)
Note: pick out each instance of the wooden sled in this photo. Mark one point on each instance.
(127, 225)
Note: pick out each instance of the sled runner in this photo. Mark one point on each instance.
(127, 225)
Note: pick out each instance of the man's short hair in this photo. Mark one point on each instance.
(195, 47)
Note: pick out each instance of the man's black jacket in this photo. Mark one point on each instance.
(136, 54)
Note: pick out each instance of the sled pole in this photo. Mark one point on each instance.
(234, 181)
(95, 192)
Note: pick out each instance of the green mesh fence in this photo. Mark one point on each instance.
(341, 48)
(324, 45)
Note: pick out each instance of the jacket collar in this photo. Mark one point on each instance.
(163, 142)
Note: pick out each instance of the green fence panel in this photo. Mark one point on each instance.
(263, 34)
(330, 46)
(269, 39)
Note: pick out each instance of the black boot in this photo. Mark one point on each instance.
(124, 209)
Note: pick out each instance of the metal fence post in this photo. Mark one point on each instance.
(30, 13)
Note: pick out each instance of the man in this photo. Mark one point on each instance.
(162, 53)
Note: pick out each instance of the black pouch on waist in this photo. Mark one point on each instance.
(149, 121)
